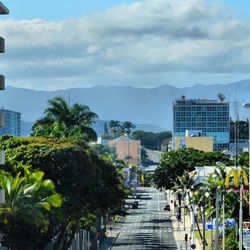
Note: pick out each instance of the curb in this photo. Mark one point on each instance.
(113, 242)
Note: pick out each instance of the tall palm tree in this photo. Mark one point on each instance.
(60, 120)
(127, 126)
(115, 126)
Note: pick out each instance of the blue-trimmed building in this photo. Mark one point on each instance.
(12, 123)
(209, 117)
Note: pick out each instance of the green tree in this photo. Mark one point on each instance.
(115, 127)
(240, 128)
(127, 126)
(151, 140)
(60, 120)
(106, 131)
(174, 163)
(88, 184)
(24, 216)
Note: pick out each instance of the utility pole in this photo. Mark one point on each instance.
(217, 220)
(204, 225)
(241, 218)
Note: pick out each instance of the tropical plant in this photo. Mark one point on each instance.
(174, 163)
(24, 216)
(114, 126)
(127, 126)
(88, 184)
(60, 120)
(151, 140)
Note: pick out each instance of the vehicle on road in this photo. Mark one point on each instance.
(135, 205)
(167, 207)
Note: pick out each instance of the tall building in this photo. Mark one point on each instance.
(204, 118)
(12, 123)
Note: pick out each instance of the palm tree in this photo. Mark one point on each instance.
(127, 126)
(60, 120)
(115, 126)
(24, 215)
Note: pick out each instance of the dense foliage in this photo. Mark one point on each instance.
(116, 128)
(151, 140)
(238, 130)
(174, 163)
(87, 183)
(24, 216)
(61, 120)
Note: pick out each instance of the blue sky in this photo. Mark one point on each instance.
(57, 10)
(146, 43)
(53, 10)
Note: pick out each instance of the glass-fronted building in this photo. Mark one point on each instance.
(210, 117)
(12, 123)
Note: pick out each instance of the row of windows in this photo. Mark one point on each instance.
(179, 113)
(201, 108)
(204, 119)
(220, 146)
(203, 129)
(201, 124)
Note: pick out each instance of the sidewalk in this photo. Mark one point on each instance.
(112, 234)
(178, 227)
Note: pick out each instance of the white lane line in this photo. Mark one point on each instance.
(158, 201)
(137, 217)
(147, 211)
(159, 216)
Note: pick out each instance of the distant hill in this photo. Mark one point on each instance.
(139, 105)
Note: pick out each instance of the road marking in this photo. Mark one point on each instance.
(133, 233)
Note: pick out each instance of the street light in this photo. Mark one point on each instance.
(247, 106)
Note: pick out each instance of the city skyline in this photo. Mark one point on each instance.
(136, 43)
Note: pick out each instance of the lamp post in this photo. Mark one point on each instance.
(247, 106)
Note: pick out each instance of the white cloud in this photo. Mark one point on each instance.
(145, 43)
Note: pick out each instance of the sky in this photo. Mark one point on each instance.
(63, 44)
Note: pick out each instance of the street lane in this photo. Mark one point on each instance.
(149, 226)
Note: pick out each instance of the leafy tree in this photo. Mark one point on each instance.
(88, 184)
(60, 120)
(127, 126)
(24, 216)
(114, 126)
(105, 129)
(151, 140)
(174, 163)
(240, 128)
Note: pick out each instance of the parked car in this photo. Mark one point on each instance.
(135, 205)
(167, 207)
(137, 196)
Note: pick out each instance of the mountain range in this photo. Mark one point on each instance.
(139, 105)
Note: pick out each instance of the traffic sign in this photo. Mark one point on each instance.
(193, 246)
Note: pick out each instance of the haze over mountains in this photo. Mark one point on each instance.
(139, 105)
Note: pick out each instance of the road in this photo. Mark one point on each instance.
(153, 155)
(149, 226)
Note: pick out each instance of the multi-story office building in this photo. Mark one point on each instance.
(12, 123)
(208, 117)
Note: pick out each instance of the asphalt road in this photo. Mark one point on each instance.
(149, 226)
